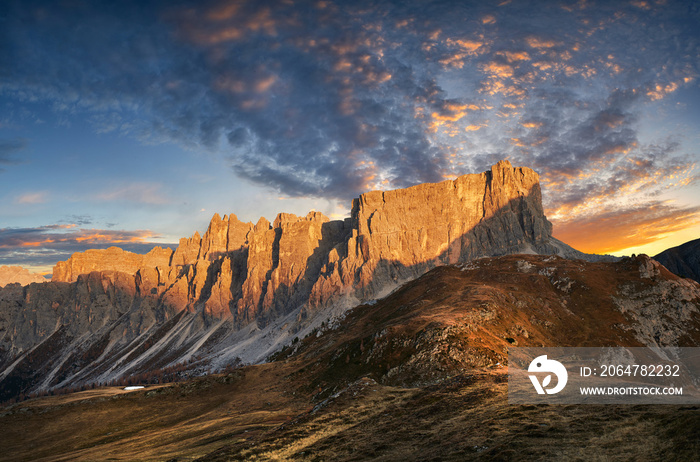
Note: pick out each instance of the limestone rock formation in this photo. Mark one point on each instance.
(263, 271)
(396, 235)
(18, 275)
(422, 371)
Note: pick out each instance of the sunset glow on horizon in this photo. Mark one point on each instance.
(131, 124)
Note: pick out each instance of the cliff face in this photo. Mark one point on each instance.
(400, 234)
(243, 290)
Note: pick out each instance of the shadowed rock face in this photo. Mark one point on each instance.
(244, 289)
(683, 260)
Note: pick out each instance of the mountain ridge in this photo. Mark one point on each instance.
(683, 260)
(493, 213)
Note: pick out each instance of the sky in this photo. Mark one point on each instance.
(132, 123)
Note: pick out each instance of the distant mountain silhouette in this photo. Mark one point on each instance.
(683, 260)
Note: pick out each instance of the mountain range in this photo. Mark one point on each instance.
(241, 291)
(18, 275)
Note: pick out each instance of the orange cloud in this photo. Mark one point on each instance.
(629, 179)
(212, 38)
(450, 114)
(376, 78)
(470, 46)
(498, 87)
(659, 91)
(102, 236)
(512, 56)
(59, 236)
(456, 61)
(532, 124)
(41, 247)
(535, 42)
(238, 86)
(32, 198)
(263, 85)
(368, 171)
(223, 24)
(613, 231)
(262, 21)
(464, 49)
(37, 243)
(500, 70)
(223, 12)
(641, 4)
(528, 143)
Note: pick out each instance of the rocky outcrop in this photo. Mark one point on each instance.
(111, 259)
(663, 307)
(460, 317)
(18, 275)
(683, 260)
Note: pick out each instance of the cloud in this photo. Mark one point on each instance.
(8, 151)
(612, 231)
(141, 193)
(45, 245)
(640, 176)
(81, 220)
(69, 234)
(330, 99)
(32, 198)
